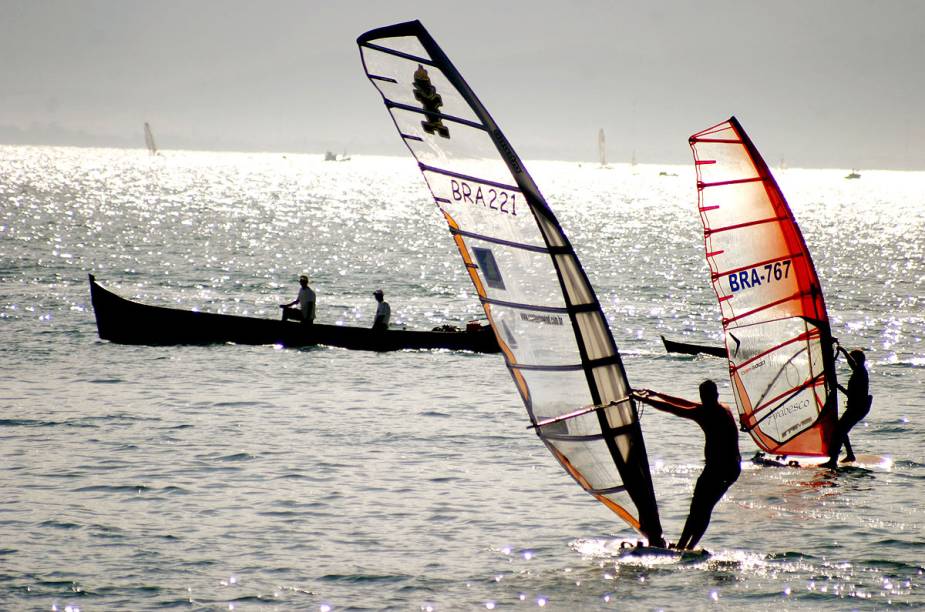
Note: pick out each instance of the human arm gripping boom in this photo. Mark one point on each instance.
(667, 403)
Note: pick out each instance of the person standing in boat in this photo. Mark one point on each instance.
(306, 301)
(721, 453)
(856, 408)
(383, 312)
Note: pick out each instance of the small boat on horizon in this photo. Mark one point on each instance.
(330, 156)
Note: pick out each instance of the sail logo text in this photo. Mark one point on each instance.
(489, 197)
(757, 276)
(541, 318)
(788, 412)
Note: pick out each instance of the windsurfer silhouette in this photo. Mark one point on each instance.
(306, 301)
(721, 453)
(856, 408)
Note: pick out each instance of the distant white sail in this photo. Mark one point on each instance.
(602, 147)
(149, 139)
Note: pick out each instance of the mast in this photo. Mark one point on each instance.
(548, 321)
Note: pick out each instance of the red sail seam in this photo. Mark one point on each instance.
(694, 140)
(796, 295)
(755, 265)
(812, 382)
(755, 179)
(803, 336)
(708, 231)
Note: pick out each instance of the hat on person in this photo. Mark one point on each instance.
(378, 292)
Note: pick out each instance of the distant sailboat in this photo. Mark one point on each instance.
(853, 175)
(329, 156)
(149, 139)
(602, 148)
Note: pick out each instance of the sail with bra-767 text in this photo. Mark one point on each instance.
(778, 339)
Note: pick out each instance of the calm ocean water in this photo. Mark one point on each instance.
(254, 478)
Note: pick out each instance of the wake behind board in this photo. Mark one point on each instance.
(861, 460)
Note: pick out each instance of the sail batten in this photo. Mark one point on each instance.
(535, 293)
(766, 262)
(396, 53)
(441, 116)
(778, 338)
(493, 240)
(468, 177)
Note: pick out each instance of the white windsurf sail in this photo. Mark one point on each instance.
(778, 338)
(149, 139)
(602, 147)
(548, 321)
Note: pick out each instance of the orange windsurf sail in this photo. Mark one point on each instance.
(778, 340)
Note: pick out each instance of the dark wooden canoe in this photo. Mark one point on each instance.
(692, 349)
(126, 322)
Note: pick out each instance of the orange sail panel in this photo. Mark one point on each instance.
(534, 291)
(778, 339)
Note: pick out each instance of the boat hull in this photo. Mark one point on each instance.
(126, 322)
(685, 348)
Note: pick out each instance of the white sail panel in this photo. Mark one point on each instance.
(535, 293)
(557, 393)
(492, 209)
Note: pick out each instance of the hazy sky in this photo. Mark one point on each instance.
(837, 83)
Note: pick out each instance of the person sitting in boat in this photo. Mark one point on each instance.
(856, 408)
(721, 453)
(306, 301)
(383, 312)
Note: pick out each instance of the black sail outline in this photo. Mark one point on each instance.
(570, 377)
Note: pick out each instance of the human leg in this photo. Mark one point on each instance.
(710, 488)
(698, 518)
(841, 433)
(849, 453)
(852, 416)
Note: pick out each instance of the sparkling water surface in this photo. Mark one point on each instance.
(256, 478)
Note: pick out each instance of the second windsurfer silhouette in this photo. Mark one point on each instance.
(857, 407)
(721, 453)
